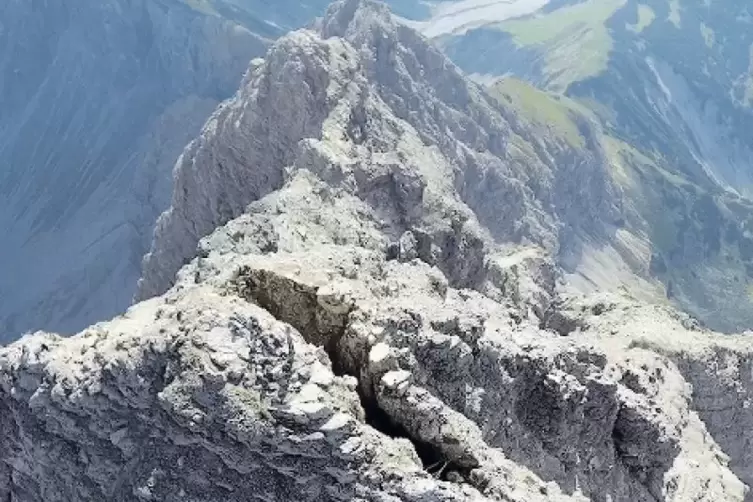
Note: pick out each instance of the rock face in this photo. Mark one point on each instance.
(335, 373)
(370, 310)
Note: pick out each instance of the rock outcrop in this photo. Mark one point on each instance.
(366, 307)
(290, 362)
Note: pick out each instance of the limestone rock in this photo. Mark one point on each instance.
(371, 311)
(194, 396)
(597, 413)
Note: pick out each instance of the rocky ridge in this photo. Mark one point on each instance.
(369, 105)
(371, 311)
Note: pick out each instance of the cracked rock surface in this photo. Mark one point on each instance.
(356, 322)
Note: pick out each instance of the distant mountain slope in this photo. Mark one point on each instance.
(97, 100)
(669, 85)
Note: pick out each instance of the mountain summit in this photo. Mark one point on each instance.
(556, 171)
(369, 105)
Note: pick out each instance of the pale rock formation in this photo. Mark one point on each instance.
(608, 412)
(370, 106)
(291, 366)
(360, 321)
(194, 397)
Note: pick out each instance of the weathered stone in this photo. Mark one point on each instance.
(293, 359)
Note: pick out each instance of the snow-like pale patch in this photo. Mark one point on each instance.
(457, 17)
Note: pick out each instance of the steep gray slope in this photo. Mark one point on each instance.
(98, 98)
(670, 83)
(366, 329)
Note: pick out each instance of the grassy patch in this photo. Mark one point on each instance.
(575, 38)
(539, 108)
(621, 159)
(544, 28)
(596, 109)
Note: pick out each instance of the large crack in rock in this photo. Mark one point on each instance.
(467, 381)
(308, 301)
(312, 297)
(469, 377)
(197, 396)
(203, 393)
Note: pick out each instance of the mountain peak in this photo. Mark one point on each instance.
(361, 88)
(343, 18)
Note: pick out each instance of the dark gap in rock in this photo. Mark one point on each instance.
(640, 447)
(432, 459)
(598, 309)
(376, 417)
(554, 319)
(393, 251)
(559, 323)
(339, 368)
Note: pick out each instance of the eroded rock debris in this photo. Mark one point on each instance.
(352, 325)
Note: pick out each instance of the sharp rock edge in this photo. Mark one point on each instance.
(353, 328)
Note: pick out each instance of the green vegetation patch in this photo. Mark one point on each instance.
(540, 108)
(575, 38)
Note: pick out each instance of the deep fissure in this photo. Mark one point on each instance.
(432, 459)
